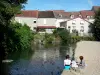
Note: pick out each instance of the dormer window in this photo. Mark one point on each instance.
(91, 17)
(60, 15)
(80, 16)
(88, 17)
(72, 16)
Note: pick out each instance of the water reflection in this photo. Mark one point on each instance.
(43, 61)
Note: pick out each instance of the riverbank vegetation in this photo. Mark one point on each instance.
(63, 34)
(75, 39)
(60, 36)
(8, 38)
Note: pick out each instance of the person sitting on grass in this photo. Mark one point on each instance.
(74, 64)
(67, 63)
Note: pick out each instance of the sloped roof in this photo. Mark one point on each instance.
(60, 15)
(67, 14)
(76, 14)
(86, 13)
(46, 14)
(28, 13)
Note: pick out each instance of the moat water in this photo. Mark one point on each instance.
(40, 61)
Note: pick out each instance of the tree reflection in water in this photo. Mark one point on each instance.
(40, 61)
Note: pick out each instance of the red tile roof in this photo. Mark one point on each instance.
(76, 14)
(57, 13)
(68, 14)
(28, 13)
(46, 26)
(86, 13)
(46, 14)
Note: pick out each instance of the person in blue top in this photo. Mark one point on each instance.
(67, 63)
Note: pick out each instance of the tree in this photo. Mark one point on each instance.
(8, 9)
(64, 35)
(95, 27)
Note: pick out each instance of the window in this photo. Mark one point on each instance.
(72, 16)
(41, 30)
(34, 21)
(88, 17)
(80, 16)
(82, 22)
(73, 22)
(60, 15)
(82, 29)
(44, 21)
(91, 17)
(20, 21)
(69, 27)
(74, 27)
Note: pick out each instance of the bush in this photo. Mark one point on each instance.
(21, 39)
(49, 38)
(63, 34)
(75, 39)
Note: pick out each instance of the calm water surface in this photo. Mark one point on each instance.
(40, 61)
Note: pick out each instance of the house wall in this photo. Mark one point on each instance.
(78, 25)
(58, 21)
(55, 22)
(27, 20)
(46, 21)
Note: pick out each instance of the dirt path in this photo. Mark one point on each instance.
(91, 52)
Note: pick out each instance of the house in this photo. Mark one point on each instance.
(61, 19)
(80, 22)
(28, 17)
(46, 22)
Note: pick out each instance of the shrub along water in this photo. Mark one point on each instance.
(24, 33)
(63, 34)
(19, 37)
(75, 39)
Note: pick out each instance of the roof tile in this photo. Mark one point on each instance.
(86, 13)
(28, 13)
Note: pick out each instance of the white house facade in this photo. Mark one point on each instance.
(47, 21)
(78, 24)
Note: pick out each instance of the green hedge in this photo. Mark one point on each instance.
(75, 39)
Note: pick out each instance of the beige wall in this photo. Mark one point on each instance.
(46, 22)
(27, 20)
